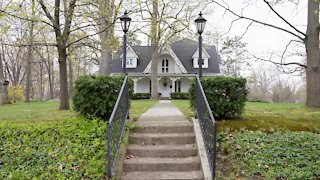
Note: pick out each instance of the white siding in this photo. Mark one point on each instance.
(185, 84)
(143, 85)
(173, 67)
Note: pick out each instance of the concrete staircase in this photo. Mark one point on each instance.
(161, 150)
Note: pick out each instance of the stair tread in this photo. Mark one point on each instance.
(164, 123)
(161, 134)
(158, 175)
(157, 147)
(162, 160)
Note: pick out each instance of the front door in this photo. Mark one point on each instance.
(165, 88)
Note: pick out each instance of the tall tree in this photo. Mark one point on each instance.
(108, 12)
(310, 39)
(3, 91)
(167, 20)
(233, 56)
(29, 55)
(62, 37)
(154, 48)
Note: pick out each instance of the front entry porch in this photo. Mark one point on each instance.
(166, 85)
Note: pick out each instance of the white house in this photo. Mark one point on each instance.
(177, 65)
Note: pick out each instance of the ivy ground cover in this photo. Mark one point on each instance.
(37, 141)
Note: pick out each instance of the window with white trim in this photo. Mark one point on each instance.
(165, 65)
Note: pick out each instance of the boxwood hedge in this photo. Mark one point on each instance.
(226, 95)
(95, 96)
(180, 95)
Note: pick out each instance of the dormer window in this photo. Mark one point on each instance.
(132, 58)
(131, 62)
(165, 65)
(205, 59)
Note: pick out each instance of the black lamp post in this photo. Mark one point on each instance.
(200, 23)
(125, 23)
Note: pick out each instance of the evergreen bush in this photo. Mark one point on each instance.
(226, 95)
(95, 96)
(180, 95)
(141, 96)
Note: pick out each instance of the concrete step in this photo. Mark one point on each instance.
(162, 164)
(163, 175)
(158, 139)
(164, 127)
(185, 150)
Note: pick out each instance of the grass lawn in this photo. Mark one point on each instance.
(267, 116)
(39, 141)
(271, 141)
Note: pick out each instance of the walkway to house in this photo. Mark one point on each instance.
(162, 147)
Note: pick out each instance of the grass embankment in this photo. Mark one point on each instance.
(267, 116)
(270, 142)
(39, 141)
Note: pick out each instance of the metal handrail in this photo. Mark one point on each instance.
(116, 124)
(208, 125)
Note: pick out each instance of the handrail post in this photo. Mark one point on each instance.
(109, 151)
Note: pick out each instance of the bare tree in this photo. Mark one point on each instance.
(310, 39)
(167, 20)
(62, 37)
(29, 56)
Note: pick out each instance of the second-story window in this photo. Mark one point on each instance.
(165, 65)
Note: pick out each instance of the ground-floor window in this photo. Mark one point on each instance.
(177, 86)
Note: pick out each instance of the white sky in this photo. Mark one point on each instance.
(261, 40)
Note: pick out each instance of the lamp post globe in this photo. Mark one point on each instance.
(200, 24)
(125, 23)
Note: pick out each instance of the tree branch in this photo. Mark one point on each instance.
(258, 22)
(273, 10)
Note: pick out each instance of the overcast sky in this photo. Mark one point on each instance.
(262, 40)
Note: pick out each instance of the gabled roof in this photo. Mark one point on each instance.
(183, 49)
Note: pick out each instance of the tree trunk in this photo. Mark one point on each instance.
(70, 65)
(106, 56)
(3, 89)
(50, 72)
(313, 55)
(155, 49)
(106, 13)
(64, 97)
(29, 57)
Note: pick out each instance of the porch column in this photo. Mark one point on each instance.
(159, 78)
(173, 82)
(135, 84)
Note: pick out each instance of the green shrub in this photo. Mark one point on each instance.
(180, 95)
(141, 96)
(226, 95)
(16, 93)
(95, 96)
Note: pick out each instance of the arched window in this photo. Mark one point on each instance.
(165, 65)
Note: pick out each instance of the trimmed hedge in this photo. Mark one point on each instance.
(95, 96)
(226, 95)
(141, 96)
(180, 95)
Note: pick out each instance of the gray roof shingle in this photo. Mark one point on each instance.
(184, 49)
